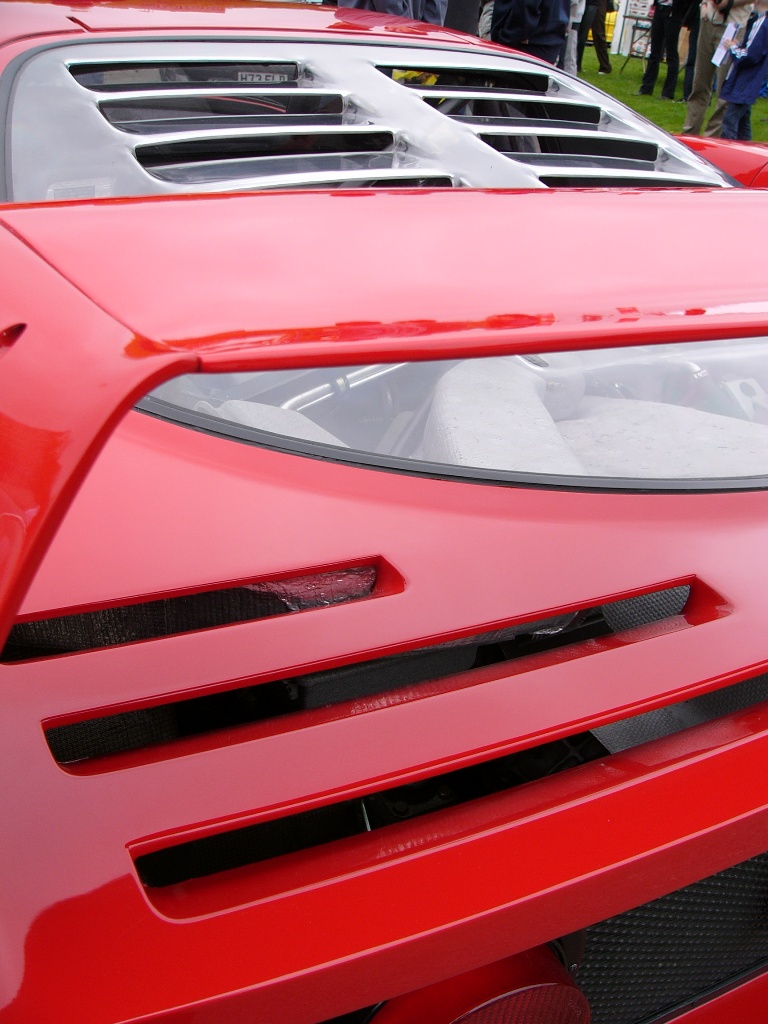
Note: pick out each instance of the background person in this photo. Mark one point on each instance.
(746, 76)
(691, 22)
(713, 17)
(666, 23)
(584, 28)
(431, 11)
(569, 54)
(537, 27)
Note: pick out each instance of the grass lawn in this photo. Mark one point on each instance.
(666, 114)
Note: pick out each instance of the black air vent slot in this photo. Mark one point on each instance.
(499, 112)
(257, 843)
(608, 181)
(594, 144)
(352, 170)
(168, 616)
(422, 181)
(133, 730)
(446, 79)
(140, 75)
(293, 144)
(158, 114)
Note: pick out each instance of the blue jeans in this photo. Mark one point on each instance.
(737, 121)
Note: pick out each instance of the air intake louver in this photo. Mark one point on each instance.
(546, 133)
(256, 843)
(124, 731)
(168, 616)
(159, 115)
(457, 81)
(299, 114)
(264, 124)
(172, 159)
(137, 76)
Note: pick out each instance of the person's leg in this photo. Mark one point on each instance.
(560, 62)
(598, 38)
(586, 24)
(657, 52)
(731, 118)
(715, 123)
(570, 63)
(690, 63)
(745, 124)
(671, 36)
(703, 76)
(484, 25)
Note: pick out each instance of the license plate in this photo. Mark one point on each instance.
(262, 77)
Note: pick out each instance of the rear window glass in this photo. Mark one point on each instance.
(683, 415)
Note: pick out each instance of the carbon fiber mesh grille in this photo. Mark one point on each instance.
(661, 955)
(636, 611)
(555, 1004)
(167, 616)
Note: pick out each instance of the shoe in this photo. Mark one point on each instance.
(603, 72)
(669, 99)
(642, 92)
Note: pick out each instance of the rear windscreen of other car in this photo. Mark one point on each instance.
(691, 415)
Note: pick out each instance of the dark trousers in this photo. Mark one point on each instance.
(737, 121)
(665, 30)
(547, 53)
(586, 24)
(690, 64)
(598, 38)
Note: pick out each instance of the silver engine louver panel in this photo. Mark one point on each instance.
(124, 118)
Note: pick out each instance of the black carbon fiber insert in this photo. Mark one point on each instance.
(637, 611)
(660, 956)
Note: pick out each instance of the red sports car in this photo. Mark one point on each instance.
(382, 611)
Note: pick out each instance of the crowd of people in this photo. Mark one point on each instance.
(727, 46)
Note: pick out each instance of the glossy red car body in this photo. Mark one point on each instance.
(102, 506)
(120, 507)
(37, 23)
(746, 162)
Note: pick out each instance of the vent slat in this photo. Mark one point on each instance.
(558, 162)
(175, 115)
(135, 729)
(254, 844)
(504, 121)
(260, 145)
(202, 857)
(180, 126)
(611, 144)
(513, 105)
(169, 616)
(174, 75)
(288, 170)
(425, 78)
(572, 144)
(371, 177)
(611, 178)
(160, 93)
